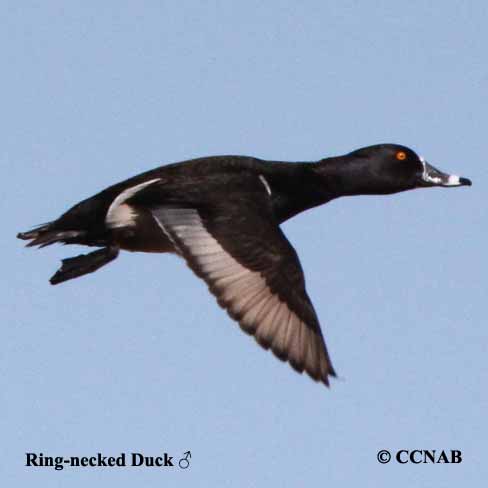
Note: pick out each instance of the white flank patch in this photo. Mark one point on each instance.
(265, 183)
(120, 214)
(244, 293)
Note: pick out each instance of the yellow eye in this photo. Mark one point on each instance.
(401, 156)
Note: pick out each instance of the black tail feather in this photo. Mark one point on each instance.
(84, 264)
(47, 234)
(35, 232)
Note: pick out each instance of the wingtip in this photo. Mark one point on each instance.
(331, 373)
(326, 378)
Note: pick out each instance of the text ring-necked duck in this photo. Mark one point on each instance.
(222, 214)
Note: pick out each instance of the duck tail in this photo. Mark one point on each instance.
(47, 234)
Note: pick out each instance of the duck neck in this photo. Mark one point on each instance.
(299, 186)
(343, 177)
(296, 187)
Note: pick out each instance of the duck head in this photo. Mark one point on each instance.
(385, 169)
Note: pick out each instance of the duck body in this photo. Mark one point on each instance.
(287, 188)
(222, 215)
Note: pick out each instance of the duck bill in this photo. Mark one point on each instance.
(433, 177)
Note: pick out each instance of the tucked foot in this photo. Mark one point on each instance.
(84, 264)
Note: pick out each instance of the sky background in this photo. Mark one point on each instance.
(138, 356)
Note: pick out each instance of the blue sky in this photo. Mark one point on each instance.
(138, 357)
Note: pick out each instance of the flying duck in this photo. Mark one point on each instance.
(222, 215)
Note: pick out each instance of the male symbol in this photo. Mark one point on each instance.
(183, 463)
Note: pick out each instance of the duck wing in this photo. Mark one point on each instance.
(238, 248)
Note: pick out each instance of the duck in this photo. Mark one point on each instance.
(222, 215)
